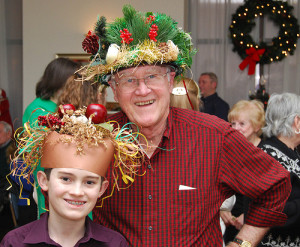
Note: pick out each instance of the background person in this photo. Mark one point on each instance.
(248, 117)
(47, 91)
(195, 160)
(4, 108)
(5, 143)
(79, 93)
(213, 104)
(283, 136)
(49, 88)
(186, 95)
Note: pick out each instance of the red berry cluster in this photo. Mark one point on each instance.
(150, 19)
(90, 43)
(50, 121)
(125, 35)
(153, 32)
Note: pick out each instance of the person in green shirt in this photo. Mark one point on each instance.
(47, 91)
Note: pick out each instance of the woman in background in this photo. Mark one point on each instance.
(49, 88)
(82, 93)
(282, 133)
(248, 117)
(188, 96)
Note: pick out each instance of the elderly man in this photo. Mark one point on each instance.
(195, 160)
(213, 104)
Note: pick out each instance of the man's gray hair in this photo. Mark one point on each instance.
(212, 76)
(281, 112)
(7, 126)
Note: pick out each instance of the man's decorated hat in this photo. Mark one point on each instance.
(136, 39)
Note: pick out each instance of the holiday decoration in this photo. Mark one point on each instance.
(261, 95)
(90, 43)
(251, 60)
(96, 112)
(243, 21)
(138, 38)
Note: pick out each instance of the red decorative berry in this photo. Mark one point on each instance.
(125, 35)
(90, 43)
(153, 32)
(66, 109)
(99, 113)
(150, 19)
(50, 121)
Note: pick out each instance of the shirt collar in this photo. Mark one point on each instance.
(39, 232)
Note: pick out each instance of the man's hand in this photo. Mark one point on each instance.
(252, 234)
(227, 218)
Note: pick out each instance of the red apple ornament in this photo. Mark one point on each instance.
(99, 113)
(67, 108)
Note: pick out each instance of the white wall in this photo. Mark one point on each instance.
(58, 26)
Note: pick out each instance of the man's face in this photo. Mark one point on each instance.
(147, 105)
(4, 137)
(207, 87)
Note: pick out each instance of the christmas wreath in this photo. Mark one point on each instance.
(243, 21)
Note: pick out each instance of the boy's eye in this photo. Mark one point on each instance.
(90, 182)
(65, 179)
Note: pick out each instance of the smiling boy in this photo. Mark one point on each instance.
(76, 159)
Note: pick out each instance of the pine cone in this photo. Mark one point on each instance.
(90, 44)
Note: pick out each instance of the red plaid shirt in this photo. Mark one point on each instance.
(202, 152)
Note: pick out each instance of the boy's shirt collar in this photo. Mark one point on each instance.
(39, 232)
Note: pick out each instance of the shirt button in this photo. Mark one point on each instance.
(150, 197)
(149, 166)
(150, 228)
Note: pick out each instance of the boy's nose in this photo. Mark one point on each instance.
(77, 190)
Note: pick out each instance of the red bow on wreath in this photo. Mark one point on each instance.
(252, 58)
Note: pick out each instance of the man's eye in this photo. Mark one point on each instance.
(152, 76)
(130, 80)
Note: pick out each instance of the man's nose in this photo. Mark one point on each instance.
(142, 87)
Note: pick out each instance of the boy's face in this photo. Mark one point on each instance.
(72, 192)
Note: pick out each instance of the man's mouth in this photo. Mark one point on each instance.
(77, 203)
(149, 102)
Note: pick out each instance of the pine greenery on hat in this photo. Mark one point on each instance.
(136, 39)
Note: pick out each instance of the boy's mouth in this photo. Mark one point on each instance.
(75, 202)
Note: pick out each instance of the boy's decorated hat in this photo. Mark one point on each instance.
(78, 139)
(136, 39)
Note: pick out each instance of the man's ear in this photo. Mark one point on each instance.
(112, 84)
(42, 180)
(215, 84)
(103, 188)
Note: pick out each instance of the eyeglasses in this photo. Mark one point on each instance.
(130, 83)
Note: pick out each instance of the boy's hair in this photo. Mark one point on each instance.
(47, 171)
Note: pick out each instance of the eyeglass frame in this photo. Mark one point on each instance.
(137, 83)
